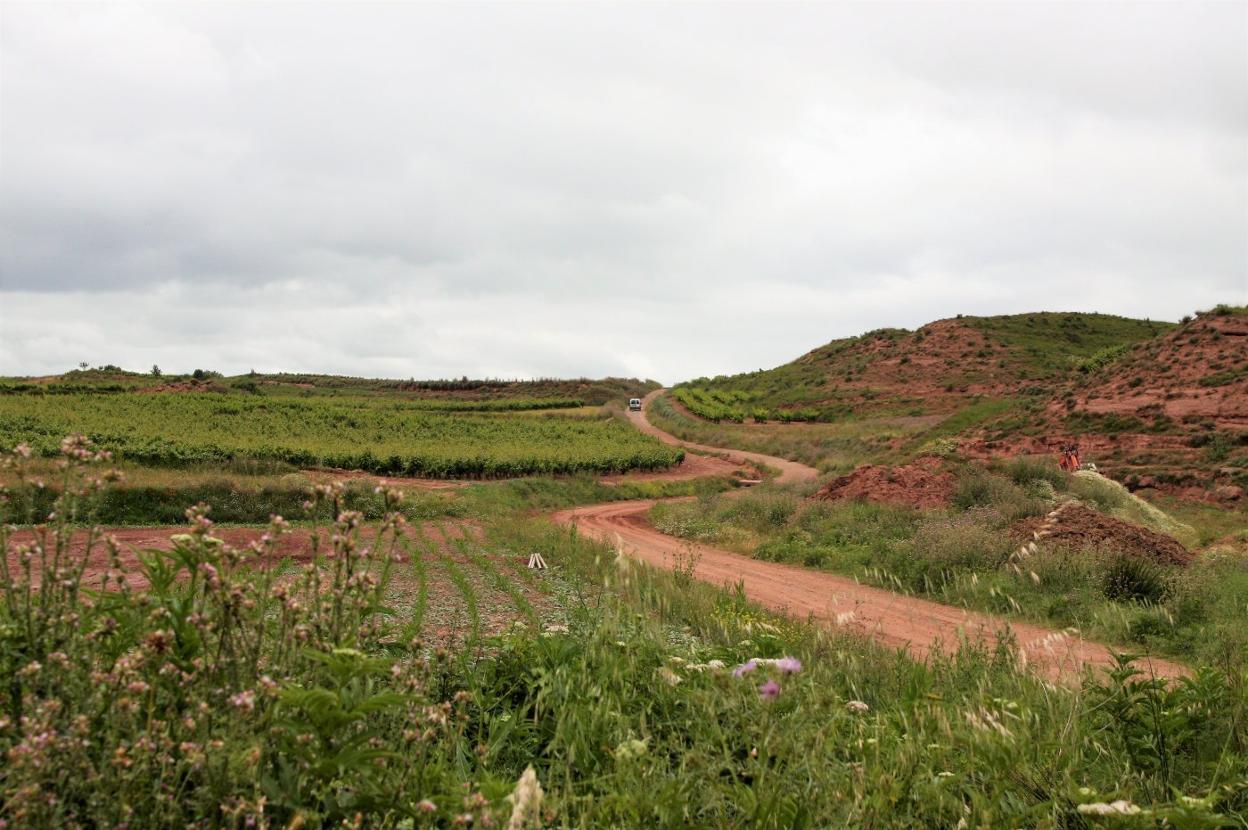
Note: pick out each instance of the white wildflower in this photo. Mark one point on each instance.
(1113, 808)
(526, 801)
(631, 748)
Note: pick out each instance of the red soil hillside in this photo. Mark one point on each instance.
(1171, 412)
(936, 369)
(1196, 376)
(945, 358)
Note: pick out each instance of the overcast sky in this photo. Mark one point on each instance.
(657, 190)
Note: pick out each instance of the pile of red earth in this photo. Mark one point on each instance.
(921, 484)
(1079, 528)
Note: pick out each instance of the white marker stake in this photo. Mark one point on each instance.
(537, 562)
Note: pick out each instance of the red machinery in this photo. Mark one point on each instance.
(1070, 460)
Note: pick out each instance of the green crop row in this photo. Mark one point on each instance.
(377, 435)
(733, 405)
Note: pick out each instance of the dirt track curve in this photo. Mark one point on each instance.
(790, 471)
(919, 626)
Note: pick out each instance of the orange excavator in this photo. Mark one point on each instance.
(1070, 460)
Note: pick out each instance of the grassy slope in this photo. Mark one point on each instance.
(1051, 344)
(830, 447)
(620, 725)
(876, 389)
(880, 372)
(961, 556)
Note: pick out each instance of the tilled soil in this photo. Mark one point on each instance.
(1078, 527)
(921, 484)
(295, 545)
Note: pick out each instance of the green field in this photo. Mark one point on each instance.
(376, 434)
(475, 392)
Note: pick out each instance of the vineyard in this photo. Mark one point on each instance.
(735, 405)
(377, 435)
(441, 404)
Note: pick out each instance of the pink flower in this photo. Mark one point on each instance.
(245, 700)
(769, 690)
(744, 669)
(789, 665)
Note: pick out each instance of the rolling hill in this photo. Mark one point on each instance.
(1153, 404)
(935, 369)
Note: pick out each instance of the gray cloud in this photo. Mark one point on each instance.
(542, 189)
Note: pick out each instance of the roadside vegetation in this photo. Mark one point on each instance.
(967, 554)
(239, 690)
(830, 447)
(248, 494)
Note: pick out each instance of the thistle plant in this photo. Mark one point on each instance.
(226, 690)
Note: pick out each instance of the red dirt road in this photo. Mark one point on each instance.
(790, 471)
(916, 625)
(693, 466)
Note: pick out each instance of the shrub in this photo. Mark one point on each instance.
(980, 488)
(1024, 471)
(1126, 578)
(944, 547)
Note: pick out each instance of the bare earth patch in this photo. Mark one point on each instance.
(921, 484)
(1079, 527)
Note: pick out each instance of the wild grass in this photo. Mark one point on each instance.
(830, 447)
(158, 496)
(963, 556)
(1055, 342)
(227, 696)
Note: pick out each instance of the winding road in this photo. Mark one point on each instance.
(918, 626)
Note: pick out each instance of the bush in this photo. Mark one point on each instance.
(1126, 578)
(979, 488)
(1024, 471)
(944, 547)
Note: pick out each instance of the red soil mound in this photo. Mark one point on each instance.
(1079, 527)
(921, 484)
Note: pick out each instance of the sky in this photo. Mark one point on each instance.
(655, 190)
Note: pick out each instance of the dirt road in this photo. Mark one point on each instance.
(790, 471)
(917, 625)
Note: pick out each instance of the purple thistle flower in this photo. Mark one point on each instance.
(769, 690)
(789, 665)
(744, 669)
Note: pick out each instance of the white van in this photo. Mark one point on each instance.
(634, 404)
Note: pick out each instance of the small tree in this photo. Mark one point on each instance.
(155, 371)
